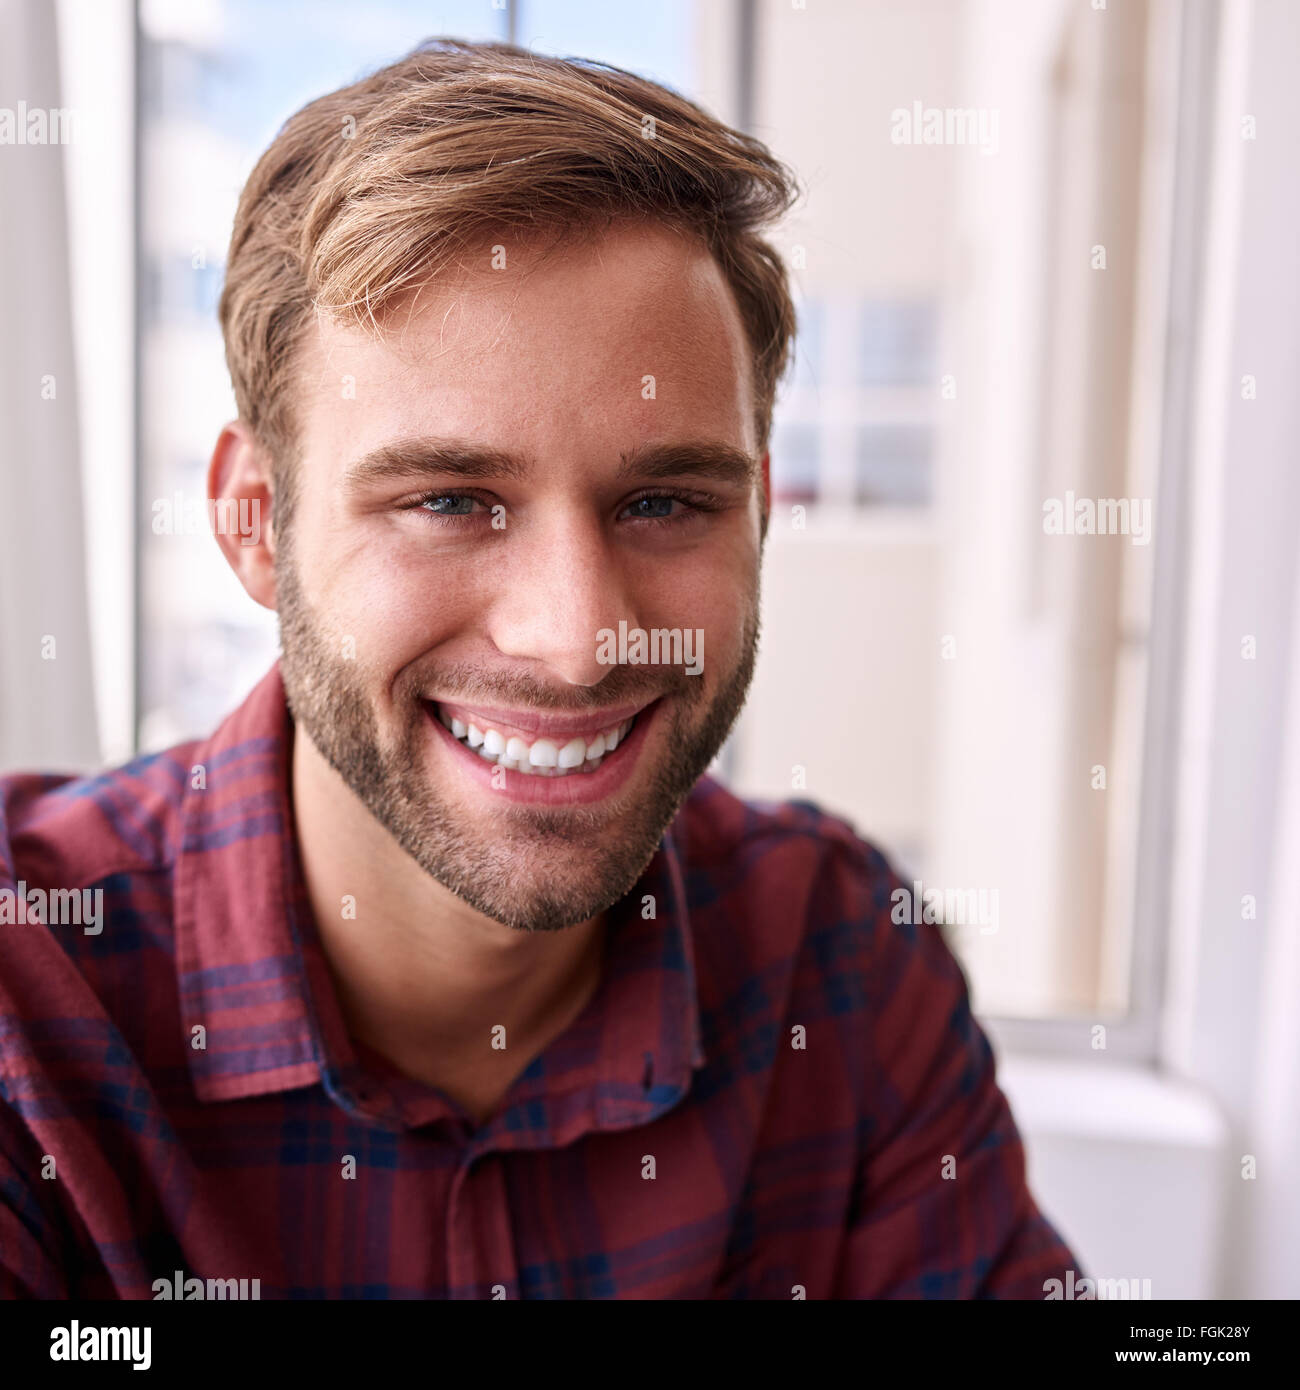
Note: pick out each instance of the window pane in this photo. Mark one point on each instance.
(657, 41)
(795, 462)
(892, 465)
(896, 343)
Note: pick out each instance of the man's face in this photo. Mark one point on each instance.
(529, 457)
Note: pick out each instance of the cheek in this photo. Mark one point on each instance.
(392, 594)
(712, 589)
(723, 623)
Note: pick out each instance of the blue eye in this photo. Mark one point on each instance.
(653, 508)
(448, 505)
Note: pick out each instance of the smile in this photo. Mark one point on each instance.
(545, 758)
(537, 757)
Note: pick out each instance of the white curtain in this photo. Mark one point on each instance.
(47, 703)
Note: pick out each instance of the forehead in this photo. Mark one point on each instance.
(627, 337)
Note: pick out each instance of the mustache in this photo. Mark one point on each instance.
(470, 684)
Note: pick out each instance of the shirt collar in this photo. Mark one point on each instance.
(260, 1011)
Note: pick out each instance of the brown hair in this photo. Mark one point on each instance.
(366, 192)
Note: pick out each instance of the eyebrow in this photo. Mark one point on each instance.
(413, 460)
(705, 459)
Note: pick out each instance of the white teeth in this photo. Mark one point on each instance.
(543, 753)
(544, 757)
(574, 753)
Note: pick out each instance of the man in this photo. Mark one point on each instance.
(442, 969)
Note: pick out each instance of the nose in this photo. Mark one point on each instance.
(560, 585)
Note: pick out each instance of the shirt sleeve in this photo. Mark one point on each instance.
(941, 1208)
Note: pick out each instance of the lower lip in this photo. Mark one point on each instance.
(577, 789)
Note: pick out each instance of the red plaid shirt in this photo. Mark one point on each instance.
(178, 1091)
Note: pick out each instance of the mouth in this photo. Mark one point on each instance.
(545, 757)
(548, 756)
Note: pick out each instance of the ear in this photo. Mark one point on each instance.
(239, 489)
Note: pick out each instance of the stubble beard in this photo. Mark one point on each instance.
(531, 868)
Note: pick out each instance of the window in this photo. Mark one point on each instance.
(979, 684)
(945, 386)
(856, 422)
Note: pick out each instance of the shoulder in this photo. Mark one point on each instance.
(78, 854)
(70, 832)
(773, 881)
(782, 853)
(792, 896)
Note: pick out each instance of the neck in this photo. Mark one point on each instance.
(422, 977)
